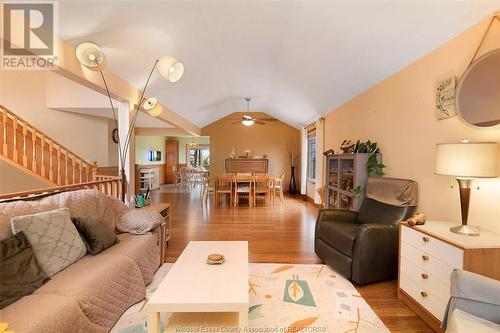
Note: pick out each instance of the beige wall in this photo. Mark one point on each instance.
(269, 139)
(398, 113)
(25, 94)
(143, 144)
(13, 179)
(112, 146)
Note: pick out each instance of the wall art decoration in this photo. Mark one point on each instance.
(445, 98)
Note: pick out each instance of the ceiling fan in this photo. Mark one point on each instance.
(248, 120)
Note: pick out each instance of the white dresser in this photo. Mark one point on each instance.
(428, 254)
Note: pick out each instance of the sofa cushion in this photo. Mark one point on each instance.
(339, 235)
(81, 203)
(20, 272)
(47, 314)
(96, 234)
(143, 250)
(5, 228)
(54, 238)
(104, 286)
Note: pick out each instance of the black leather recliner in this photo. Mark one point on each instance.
(363, 246)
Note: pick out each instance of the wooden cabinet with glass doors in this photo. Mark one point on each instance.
(344, 173)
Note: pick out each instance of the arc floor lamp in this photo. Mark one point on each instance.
(92, 57)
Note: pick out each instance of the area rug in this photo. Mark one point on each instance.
(285, 298)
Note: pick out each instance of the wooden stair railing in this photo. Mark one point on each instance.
(110, 185)
(39, 154)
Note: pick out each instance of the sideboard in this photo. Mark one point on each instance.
(244, 165)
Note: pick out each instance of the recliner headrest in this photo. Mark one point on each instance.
(392, 191)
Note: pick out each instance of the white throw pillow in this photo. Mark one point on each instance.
(139, 221)
(54, 238)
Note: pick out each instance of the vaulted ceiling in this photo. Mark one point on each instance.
(297, 60)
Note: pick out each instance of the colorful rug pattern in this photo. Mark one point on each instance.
(286, 298)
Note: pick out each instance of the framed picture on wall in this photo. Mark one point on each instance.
(445, 98)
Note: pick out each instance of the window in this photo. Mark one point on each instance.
(198, 157)
(311, 158)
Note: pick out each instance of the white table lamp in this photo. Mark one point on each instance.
(466, 161)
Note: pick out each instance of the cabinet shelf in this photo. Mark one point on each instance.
(346, 171)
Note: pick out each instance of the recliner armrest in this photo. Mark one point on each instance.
(336, 215)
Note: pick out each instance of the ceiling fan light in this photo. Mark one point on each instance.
(248, 122)
(90, 55)
(170, 68)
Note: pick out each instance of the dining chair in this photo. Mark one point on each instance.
(244, 174)
(243, 184)
(260, 174)
(278, 187)
(207, 189)
(262, 185)
(178, 176)
(224, 185)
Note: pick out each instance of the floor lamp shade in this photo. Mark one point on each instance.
(170, 68)
(466, 161)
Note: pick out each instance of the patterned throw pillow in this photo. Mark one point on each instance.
(54, 238)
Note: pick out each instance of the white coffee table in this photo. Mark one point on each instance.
(201, 295)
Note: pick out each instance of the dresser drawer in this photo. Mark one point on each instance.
(427, 262)
(426, 280)
(422, 296)
(445, 252)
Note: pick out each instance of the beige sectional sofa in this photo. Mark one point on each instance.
(92, 293)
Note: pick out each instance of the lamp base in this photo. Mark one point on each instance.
(465, 230)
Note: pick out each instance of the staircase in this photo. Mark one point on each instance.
(37, 154)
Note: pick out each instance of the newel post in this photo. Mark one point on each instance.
(94, 170)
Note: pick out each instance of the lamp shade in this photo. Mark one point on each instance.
(152, 107)
(90, 55)
(467, 160)
(170, 68)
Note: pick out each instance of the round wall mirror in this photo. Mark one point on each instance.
(478, 93)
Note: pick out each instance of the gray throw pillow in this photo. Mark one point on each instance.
(95, 233)
(54, 238)
(20, 272)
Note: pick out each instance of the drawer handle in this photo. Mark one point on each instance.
(425, 258)
(425, 239)
(425, 276)
(423, 294)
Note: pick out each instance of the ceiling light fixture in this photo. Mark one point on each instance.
(192, 144)
(248, 120)
(90, 55)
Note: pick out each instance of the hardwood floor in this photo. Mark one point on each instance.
(278, 234)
